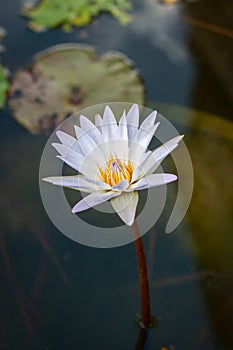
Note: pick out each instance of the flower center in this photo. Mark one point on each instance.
(115, 171)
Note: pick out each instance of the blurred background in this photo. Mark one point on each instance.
(58, 294)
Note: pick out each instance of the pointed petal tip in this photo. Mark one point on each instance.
(125, 206)
(173, 177)
(83, 119)
(98, 116)
(174, 140)
(59, 132)
(98, 120)
(169, 177)
(74, 210)
(134, 108)
(54, 144)
(108, 115)
(179, 138)
(47, 179)
(107, 109)
(78, 207)
(130, 223)
(153, 114)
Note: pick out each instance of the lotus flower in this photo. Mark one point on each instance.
(113, 161)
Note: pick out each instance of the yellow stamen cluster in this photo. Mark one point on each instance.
(115, 171)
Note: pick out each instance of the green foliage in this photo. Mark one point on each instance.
(53, 13)
(4, 84)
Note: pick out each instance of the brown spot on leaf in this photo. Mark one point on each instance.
(67, 78)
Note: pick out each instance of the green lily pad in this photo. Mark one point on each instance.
(4, 83)
(49, 14)
(68, 78)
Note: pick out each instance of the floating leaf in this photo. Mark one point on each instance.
(4, 84)
(68, 78)
(49, 14)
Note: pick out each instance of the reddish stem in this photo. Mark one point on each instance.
(143, 277)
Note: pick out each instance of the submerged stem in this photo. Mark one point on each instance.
(143, 277)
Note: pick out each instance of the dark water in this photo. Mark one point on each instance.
(57, 294)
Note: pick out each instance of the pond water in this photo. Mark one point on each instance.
(58, 294)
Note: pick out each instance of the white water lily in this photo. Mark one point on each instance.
(113, 160)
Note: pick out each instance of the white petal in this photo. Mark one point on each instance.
(65, 149)
(85, 123)
(91, 129)
(152, 181)
(125, 205)
(148, 122)
(68, 140)
(156, 157)
(86, 143)
(115, 148)
(93, 199)
(139, 146)
(133, 115)
(87, 165)
(77, 183)
(122, 132)
(99, 122)
(133, 121)
(138, 170)
(144, 136)
(110, 128)
(123, 184)
(77, 166)
(120, 147)
(69, 156)
(89, 147)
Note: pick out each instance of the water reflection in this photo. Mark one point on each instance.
(212, 49)
(142, 340)
(162, 25)
(210, 142)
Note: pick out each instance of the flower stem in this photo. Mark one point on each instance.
(143, 277)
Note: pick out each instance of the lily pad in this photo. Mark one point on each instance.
(4, 83)
(49, 14)
(68, 78)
